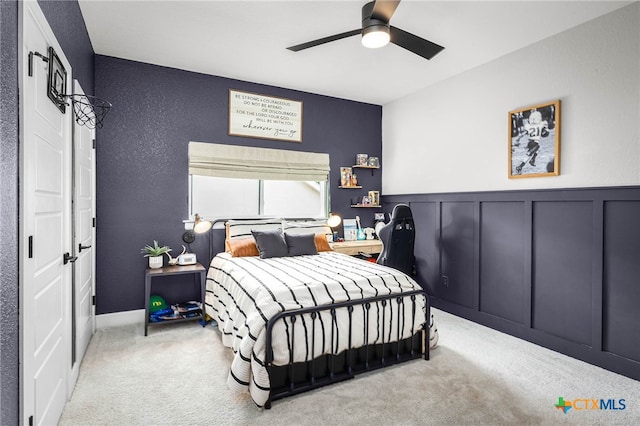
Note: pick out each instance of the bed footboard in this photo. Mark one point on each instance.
(297, 377)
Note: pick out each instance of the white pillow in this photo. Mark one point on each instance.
(309, 227)
(238, 228)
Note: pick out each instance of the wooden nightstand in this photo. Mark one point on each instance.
(352, 248)
(198, 271)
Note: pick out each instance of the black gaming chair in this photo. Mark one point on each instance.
(398, 237)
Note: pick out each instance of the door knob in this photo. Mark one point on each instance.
(68, 258)
(81, 247)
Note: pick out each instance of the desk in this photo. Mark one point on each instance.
(197, 270)
(352, 248)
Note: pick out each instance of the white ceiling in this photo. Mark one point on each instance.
(247, 40)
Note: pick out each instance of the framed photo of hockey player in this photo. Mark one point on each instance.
(534, 141)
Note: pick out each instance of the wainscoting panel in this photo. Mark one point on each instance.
(457, 242)
(502, 259)
(622, 279)
(426, 220)
(562, 260)
(557, 267)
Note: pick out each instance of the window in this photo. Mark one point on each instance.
(216, 197)
(228, 181)
(289, 198)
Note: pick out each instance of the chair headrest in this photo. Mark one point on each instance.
(401, 211)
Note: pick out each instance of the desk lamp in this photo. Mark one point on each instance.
(334, 222)
(200, 226)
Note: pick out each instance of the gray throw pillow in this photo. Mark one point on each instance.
(301, 244)
(270, 244)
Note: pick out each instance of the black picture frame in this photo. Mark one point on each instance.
(57, 81)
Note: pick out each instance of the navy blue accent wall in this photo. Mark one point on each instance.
(142, 160)
(67, 23)
(9, 337)
(556, 267)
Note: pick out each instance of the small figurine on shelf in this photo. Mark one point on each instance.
(361, 159)
(374, 197)
(354, 180)
(345, 176)
(369, 232)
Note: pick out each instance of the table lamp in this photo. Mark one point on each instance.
(334, 222)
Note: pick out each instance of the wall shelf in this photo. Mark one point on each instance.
(346, 177)
(372, 168)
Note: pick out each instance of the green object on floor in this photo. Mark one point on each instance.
(156, 303)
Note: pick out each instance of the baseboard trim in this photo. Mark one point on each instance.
(119, 318)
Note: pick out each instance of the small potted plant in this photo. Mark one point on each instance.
(154, 253)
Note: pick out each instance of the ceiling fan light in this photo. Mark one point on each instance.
(375, 36)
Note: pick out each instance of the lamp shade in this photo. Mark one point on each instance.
(334, 220)
(200, 225)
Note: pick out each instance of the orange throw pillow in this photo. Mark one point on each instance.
(321, 243)
(240, 247)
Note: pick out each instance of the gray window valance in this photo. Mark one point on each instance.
(242, 162)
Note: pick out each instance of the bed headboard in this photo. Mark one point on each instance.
(241, 227)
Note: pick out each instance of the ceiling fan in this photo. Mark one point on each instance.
(376, 32)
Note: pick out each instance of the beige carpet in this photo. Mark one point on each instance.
(476, 376)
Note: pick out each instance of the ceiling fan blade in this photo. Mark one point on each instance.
(323, 40)
(383, 9)
(415, 44)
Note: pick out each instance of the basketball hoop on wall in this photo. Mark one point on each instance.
(88, 110)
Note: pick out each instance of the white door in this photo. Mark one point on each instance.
(82, 313)
(45, 229)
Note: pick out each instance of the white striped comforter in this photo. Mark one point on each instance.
(243, 293)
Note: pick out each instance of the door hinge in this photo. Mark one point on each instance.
(94, 144)
(30, 246)
(30, 420)
(93, 222)
(93, 300)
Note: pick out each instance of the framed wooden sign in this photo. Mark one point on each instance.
(266, 117)
(534, 141)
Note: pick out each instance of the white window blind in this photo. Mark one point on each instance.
(241, 162)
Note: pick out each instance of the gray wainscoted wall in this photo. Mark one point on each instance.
(556, 267)
(142, 166)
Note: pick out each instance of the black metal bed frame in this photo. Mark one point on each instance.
(300, 377)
